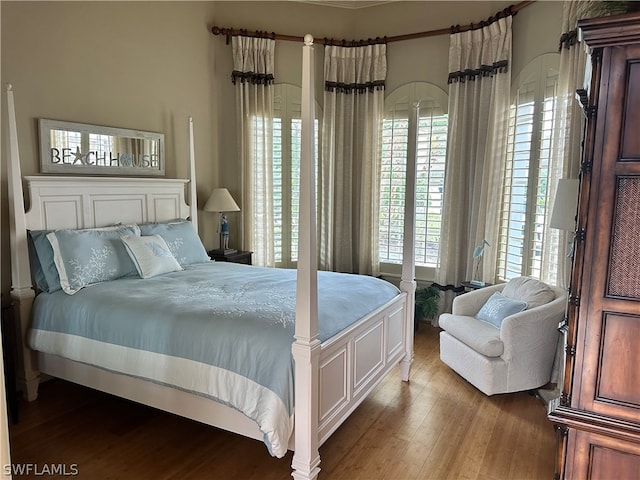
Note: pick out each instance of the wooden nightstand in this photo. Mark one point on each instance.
(237, 257)
(469, 287)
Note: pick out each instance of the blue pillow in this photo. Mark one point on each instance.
(181, 238)
(498, 307)
(85, 257)
(37, 273)
(43, 269)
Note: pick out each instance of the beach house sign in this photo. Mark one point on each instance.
(78, 148)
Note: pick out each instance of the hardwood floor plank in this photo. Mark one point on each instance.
(436, 426)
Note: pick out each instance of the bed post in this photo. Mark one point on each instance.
(22, 293)
(408, 283)
(306, 348)
(193, 198)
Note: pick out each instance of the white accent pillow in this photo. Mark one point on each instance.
(150, 254)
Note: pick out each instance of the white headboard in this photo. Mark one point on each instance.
(86, 202)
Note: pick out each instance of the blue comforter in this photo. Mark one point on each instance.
(217, 329)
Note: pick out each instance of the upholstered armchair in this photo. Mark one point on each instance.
(503, 338)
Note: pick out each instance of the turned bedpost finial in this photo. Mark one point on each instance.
(308, 39)
(9, 87)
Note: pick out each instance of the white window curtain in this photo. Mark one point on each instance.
(480, 81)
(253, 60)
(349, 173)
(568, 131)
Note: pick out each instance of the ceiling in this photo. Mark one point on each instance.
(354, 4)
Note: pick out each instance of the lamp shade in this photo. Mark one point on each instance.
(221, 200)
(565, 205)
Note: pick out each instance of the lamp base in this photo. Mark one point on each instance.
(223, 251)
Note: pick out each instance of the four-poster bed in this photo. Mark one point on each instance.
(332, 375)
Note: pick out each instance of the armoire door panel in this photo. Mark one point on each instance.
(630, 144)
(610, 378)
(619, 375)
(624, 262)
(599, 457)
(613, 464)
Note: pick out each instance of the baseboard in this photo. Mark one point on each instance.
(548, 393)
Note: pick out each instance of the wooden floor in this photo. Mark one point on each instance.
(435, 427)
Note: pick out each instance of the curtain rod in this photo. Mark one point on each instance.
(510, 10)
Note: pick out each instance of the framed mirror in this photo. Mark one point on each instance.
(82, 149)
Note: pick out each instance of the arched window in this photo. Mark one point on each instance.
(286, 170)
(524, 197)
(430, 159)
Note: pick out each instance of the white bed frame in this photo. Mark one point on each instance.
(331, 379)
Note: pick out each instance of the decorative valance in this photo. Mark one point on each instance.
(252, 77)
(480, 52)
(354, 87)
(253, 60)
(355, 69)
(484, 71)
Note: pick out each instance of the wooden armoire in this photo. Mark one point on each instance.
(598, 415)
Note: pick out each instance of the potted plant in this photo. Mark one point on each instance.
(427, 299)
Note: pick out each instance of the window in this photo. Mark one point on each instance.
(86, 142)
(287, 136)
(524, 197)
(430, 160)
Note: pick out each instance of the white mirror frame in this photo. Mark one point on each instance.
(95, 158)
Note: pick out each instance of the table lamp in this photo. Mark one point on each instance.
(221, 201)
(565, 207)
(563, 215)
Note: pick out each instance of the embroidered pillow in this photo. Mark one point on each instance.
(499, 307)
(150, 254)
(43, 268)
(85, 257)
(181, 238)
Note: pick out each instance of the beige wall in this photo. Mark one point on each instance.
(151, 65)
(145, 66)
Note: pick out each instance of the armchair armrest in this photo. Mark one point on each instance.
(532, 330)
(469, 304)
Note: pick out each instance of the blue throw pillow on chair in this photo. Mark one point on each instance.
(498, 307)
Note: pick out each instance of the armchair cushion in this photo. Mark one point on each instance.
(498, 307)
(529, 290)
(480, 336)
